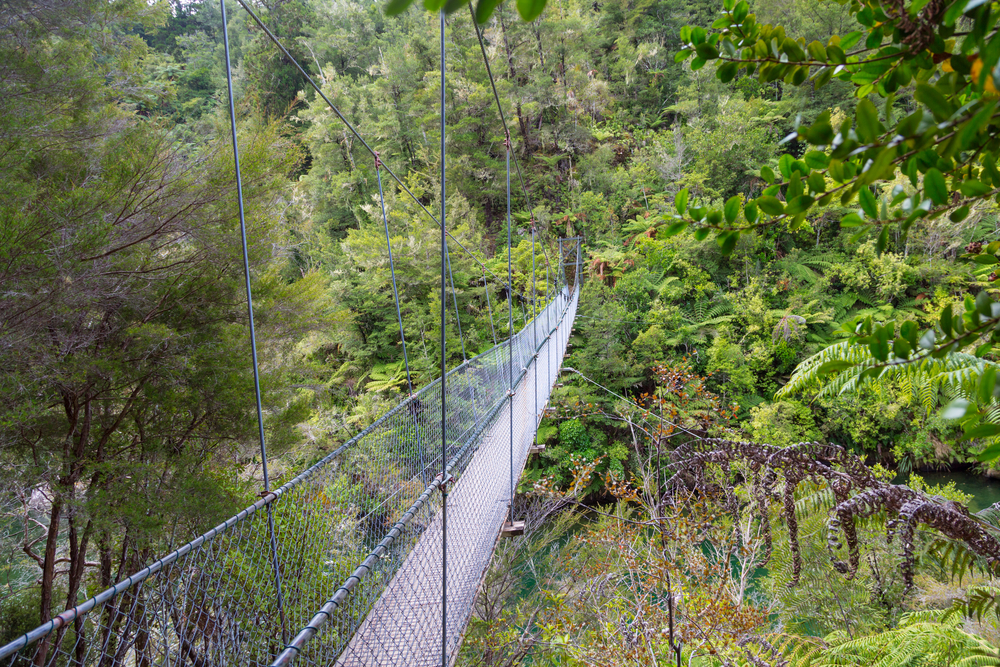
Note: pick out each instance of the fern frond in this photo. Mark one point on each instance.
(958, 374)
(952, 559)
(923, 639)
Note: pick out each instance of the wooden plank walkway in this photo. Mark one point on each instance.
(404, 626)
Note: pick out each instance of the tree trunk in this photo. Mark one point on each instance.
(521, 121)
(48, 576)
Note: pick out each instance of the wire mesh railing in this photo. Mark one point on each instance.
(344, 531)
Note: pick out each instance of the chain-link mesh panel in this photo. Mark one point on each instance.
(239, 593)
(404, 625)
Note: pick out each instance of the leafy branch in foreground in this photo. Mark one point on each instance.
(946, 149)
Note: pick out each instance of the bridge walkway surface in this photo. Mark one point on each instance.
(404, 625)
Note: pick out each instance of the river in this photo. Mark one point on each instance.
(984, 491)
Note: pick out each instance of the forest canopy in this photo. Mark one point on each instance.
(787, 320)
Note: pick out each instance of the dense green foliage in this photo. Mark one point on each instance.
(718, 166)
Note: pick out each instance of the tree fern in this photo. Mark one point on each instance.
(979, 602)
(956, 375)
(922, 639)
(952, 559)
(386, 376)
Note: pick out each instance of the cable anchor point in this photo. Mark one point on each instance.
(378, 161)
(443, 487)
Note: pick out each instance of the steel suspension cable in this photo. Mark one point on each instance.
(630, 402)
(510, 339)
(486, 288)
(503, 119)
(295, 63)
(454, 298)
(534, 319)
(444, 377)
(399, 314)
(253, 332)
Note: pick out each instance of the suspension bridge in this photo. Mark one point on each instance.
(374, 554)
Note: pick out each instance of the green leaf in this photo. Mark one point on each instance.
(974, 188)
(767, 174)
(484, 10)
(932, 98)
(882, 240)
(823, 77)
(956, 409)
(990, 165)
(987, 383)
(851, 220)
(867, 120)
(727, 72)
(530, 9)
(984, 304)
(945, 320)
(732, 208)
(820, 134)
(394, 7)
(868, 203)
(935, 186)
(959, 214)
(834, 366)
(798, 204)
(972, 4)
(702, 233)
(681, 201)
(817, 51)
(727, 242)
(741, 11)
(981, 431)
(928, 339)
(785, 163)
(879, 167)
(850, 39)
(770, 205)
(792, 48)
(676, 228)
(990, 453)
(816, 182)
(705, 50)
(977, 124)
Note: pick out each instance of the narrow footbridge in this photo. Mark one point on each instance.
(373, 555)
(346, 563)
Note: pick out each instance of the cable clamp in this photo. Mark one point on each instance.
(506, 141)
(511, 393)
(378, 162)
(450, 479)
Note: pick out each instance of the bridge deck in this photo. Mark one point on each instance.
(404, 625)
